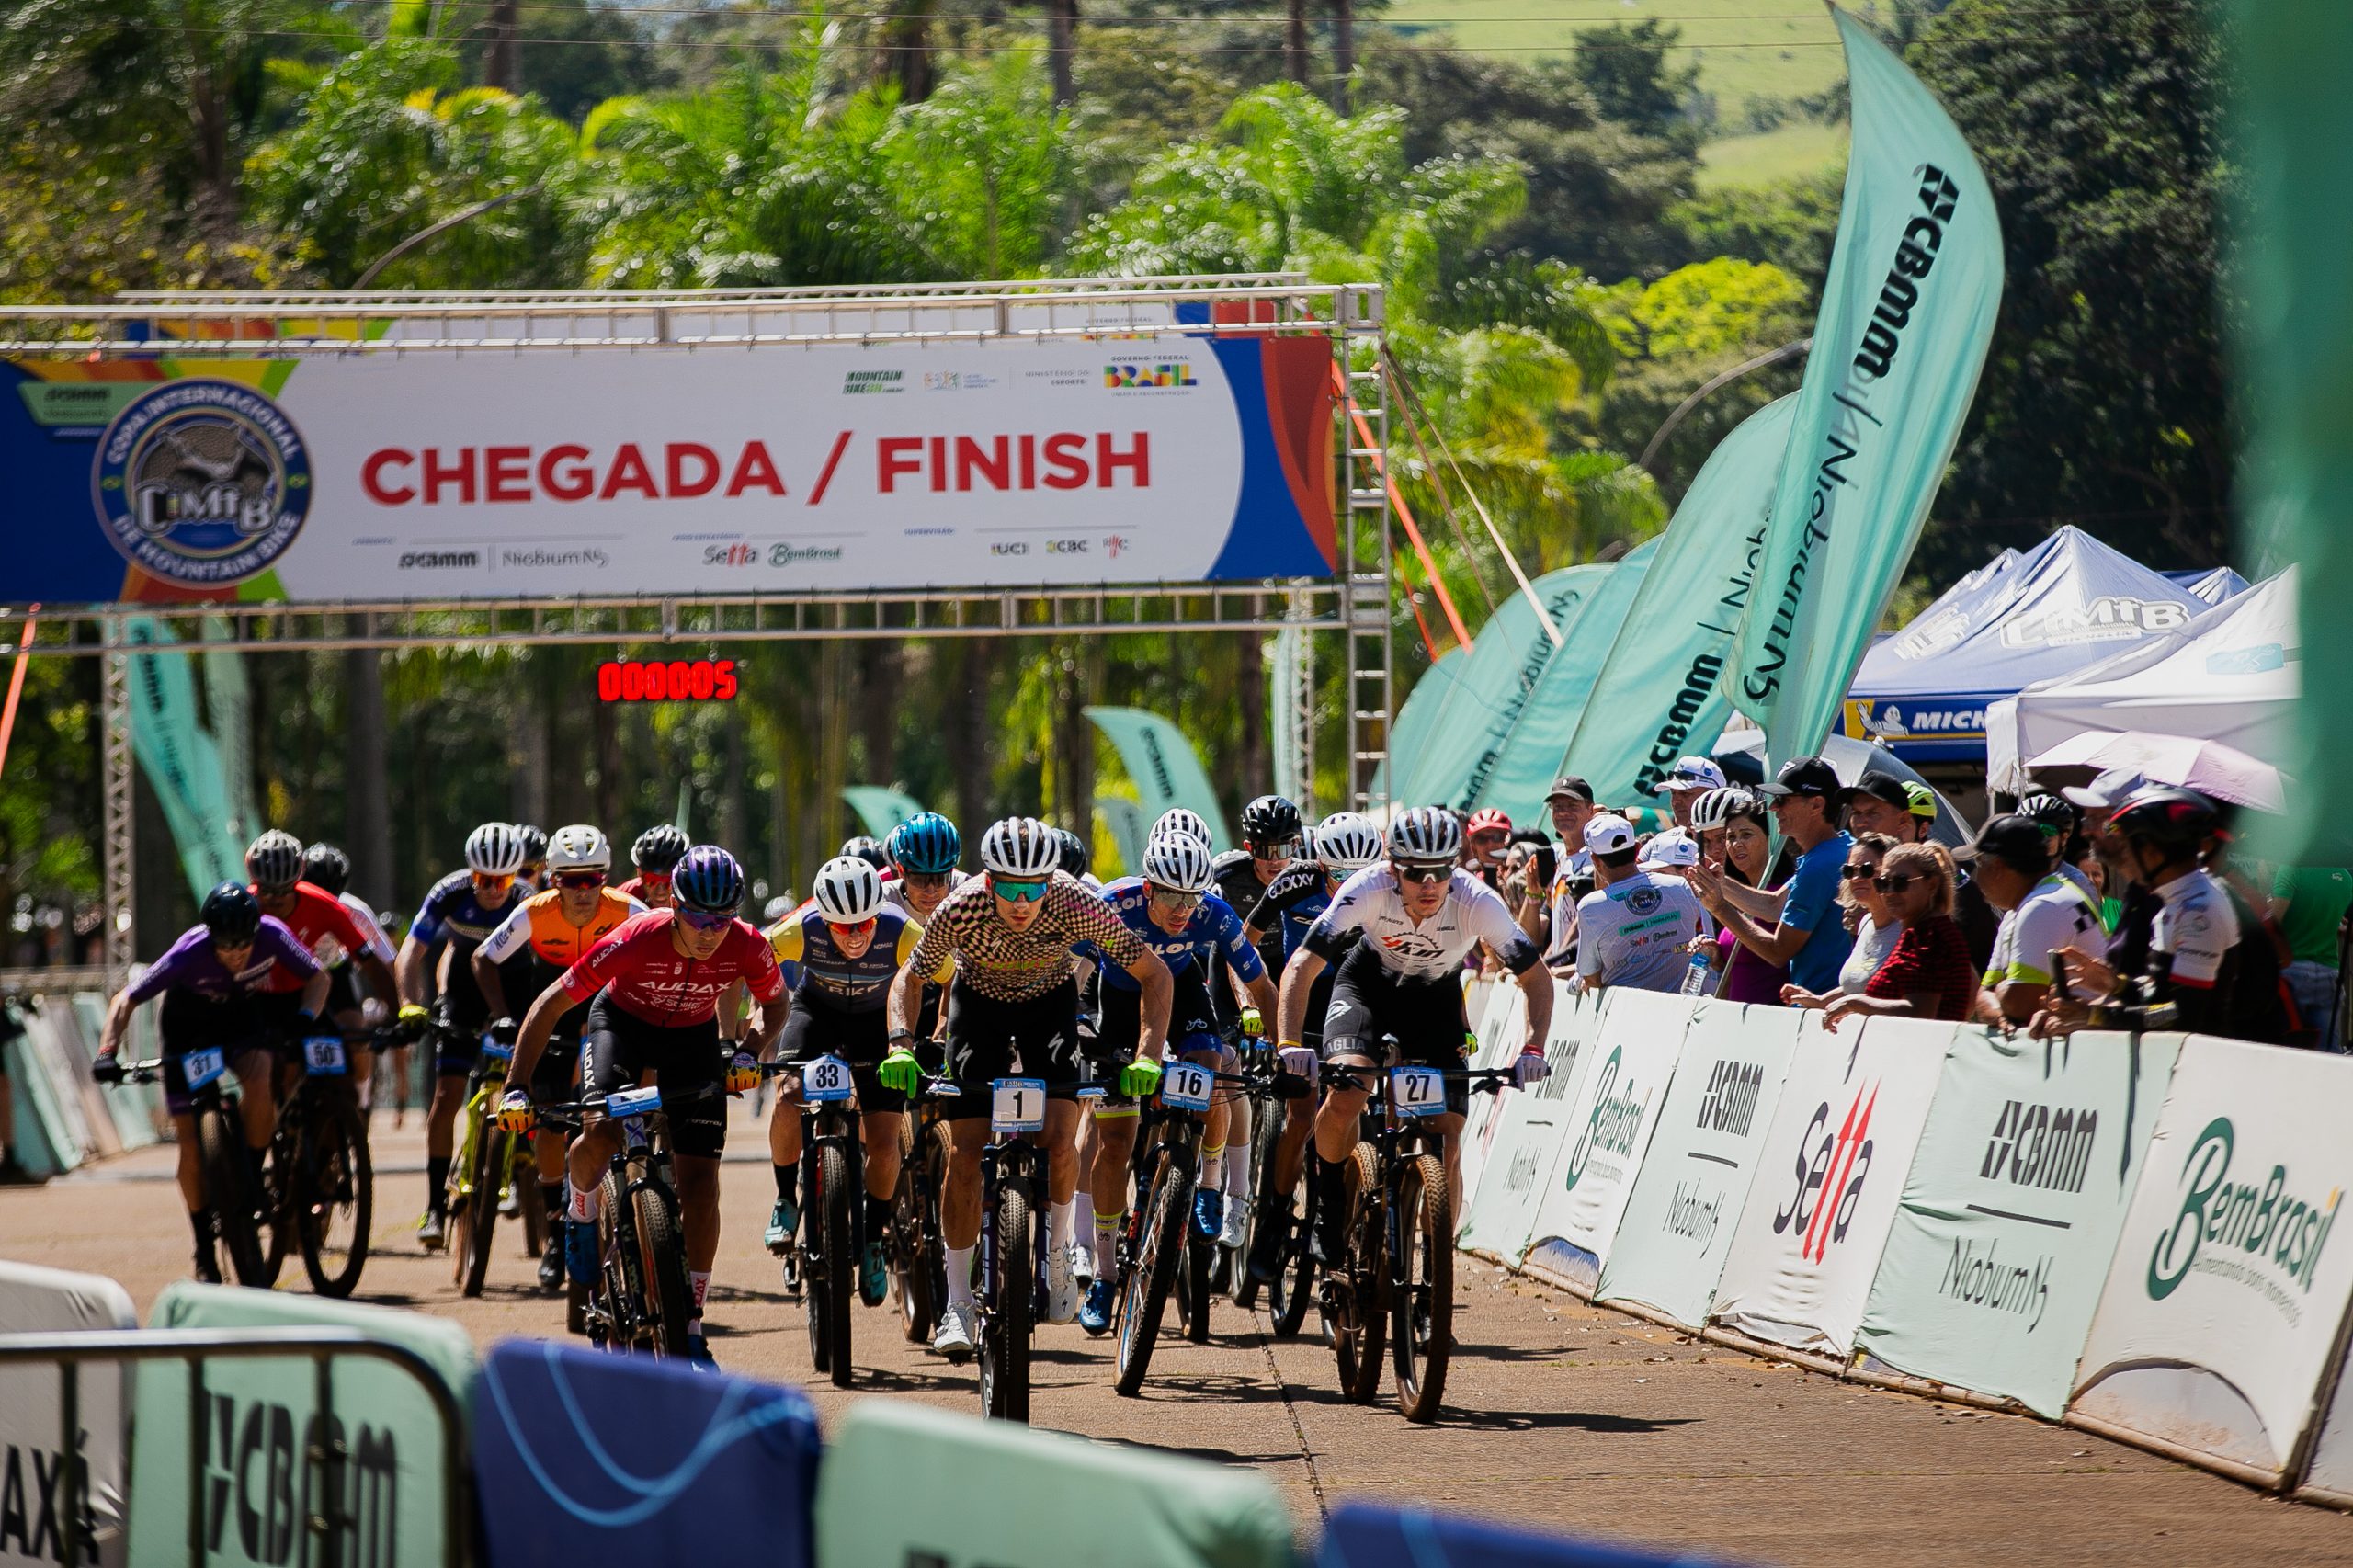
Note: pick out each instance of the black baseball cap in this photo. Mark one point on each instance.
(1570, 786)
(2018, 842)
(1884, 787)
(1805, 776)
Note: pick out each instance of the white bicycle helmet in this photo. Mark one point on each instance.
(579, 847)
(1177, 819)
(495, 849)
(1181, 861)
(848, 891)
(1717, 807)
(1022, 849)
(274, 860)
(1425, 833)
(1346, 842)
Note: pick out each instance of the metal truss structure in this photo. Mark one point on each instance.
(1355, 604)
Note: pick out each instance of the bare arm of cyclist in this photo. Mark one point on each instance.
(1299, 979)
(537, 1024)
(1536, 983)
(1159, 991)
(486, 979)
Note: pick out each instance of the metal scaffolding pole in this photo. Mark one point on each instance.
(120, 935)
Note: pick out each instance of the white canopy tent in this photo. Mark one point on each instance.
(2232, 674)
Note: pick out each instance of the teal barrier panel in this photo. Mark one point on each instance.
(259, 1418)
(904, 1486)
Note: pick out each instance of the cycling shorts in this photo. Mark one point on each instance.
(1192, 1032)
(859, 1038)
(193, 1023)
(617, 1049)
(343, 991)
(556, 1075)
(456, 1044)
(988, 1039)
(1426, 1016)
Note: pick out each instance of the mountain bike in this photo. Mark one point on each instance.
(641, 1299)
(1394, 1281)
(1159, 1234)
(221, 1141)
(321, 1184)
(918, 1255)
(490, 1164)
(1289, 1215)
(833, 1186)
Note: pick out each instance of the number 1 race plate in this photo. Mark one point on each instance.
(1418, 1091)
(1017, 1105)
(1186, 1086)
(322, 1054)
(827, 1079)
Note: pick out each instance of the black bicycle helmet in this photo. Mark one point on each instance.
(1076, 855)
(326, 866)
(657, 850)
(535, 844)
(870, 850)
(1269, 821)
(232, 913)
(2178, 822)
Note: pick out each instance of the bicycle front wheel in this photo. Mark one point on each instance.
(914, 1240)
(662, 1247)
(341, 1201)
(830, 1300)
(1293, 1286)
(1004, 1348)
(478, 1220)
(1359, 1283)
(228, 1186)
(1265, 1128)
(1422, 1319)
(1160, 1246)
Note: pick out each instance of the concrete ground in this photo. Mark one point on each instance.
(1560, 1416)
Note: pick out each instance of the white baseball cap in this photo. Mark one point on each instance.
(1608, 832)
(1672, 847)
(1691, 773)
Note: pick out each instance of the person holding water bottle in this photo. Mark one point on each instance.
(1635, 928)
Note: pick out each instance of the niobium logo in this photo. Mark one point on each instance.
(203, 483)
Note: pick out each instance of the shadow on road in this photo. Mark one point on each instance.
(1556, 1420)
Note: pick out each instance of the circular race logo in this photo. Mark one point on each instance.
(202, 484)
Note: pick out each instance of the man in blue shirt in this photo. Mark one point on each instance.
(1797, 924)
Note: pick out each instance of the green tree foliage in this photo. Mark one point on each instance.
(1627, 68)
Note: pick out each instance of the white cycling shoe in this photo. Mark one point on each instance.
(1062, 1285)
(1082, 1262)
(954, 1337)
(1237, 1220)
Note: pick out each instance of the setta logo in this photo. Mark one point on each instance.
(1831, 1183)
(2277, 1232)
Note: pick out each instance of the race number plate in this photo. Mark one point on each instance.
(322, 1056)
(1017, 1105)
(202, 1067)
(1418, 1091)
(827, 1078)
(633, 1102)
(1186, 1086)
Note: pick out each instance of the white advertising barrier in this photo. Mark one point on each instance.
(1828, 1181)
(48, 1300)
(1499, 1025)
(1609, 1126)
(2002, 1242)
(2222, 1308)
(1530, 1133)
(1686, 1199)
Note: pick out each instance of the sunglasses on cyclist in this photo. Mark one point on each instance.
(1287, 850)
(1017, 892)
(1423, 874)
(489, 882)
(1172, 898)
(863, 928)
(1894, 884)
(576, 880)
(705, 919)
(926, 881)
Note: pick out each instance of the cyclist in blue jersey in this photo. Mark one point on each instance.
(1171, 909)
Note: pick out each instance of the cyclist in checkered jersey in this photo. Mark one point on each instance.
(1012, 1011)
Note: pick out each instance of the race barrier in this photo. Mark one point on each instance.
(1366, 1535)
(2128, 1232)
(33, 1453)
(62, 1119)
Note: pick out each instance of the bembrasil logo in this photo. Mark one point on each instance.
(202, 482)
(2263, 1235)
(1170, 376)
(1617, 1118)
(860, 383)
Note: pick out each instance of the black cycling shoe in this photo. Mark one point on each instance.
(1266, 1247)
(551, 1258)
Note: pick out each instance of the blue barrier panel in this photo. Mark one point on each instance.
(582, 1457)
(1366, 1535)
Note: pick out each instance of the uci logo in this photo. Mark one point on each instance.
(202, 484)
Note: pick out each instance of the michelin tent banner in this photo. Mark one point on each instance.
(1610, 1121)
(372, 475)
(1672, 1240)
(2222, 1308)
(1833, 1169)
(2001, 1245)
(1529, 1133)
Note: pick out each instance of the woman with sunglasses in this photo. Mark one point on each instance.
(839, 953)
(1014, 999)
(653, 989)
(1875, 925)
(1929, 975)
(462, 909)
(546, 935)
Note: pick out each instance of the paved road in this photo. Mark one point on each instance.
(1562, 1415)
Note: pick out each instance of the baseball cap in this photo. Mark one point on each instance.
(1805, 776)
(2108, 792)
(1691, 773)
(2014, 840)
(1672, 847)
(1884, 787)
(1572, 787)
(1608, 834)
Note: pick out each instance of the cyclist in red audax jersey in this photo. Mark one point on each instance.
(656, 983)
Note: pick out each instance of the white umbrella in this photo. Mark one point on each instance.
(2210, 767)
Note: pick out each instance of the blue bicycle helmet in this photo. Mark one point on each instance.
(926, 844)
(708, 878)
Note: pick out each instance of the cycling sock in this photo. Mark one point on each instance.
(698, 1284)
(1212, 1169)
(551, 1194)
(878, 1217)
(1061, 1223)
(580, 1206)
(788, 1183)
(1331, 1200)
(959, 1278)
(201, 1221)
(436, 1182)
(1106, 1239)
